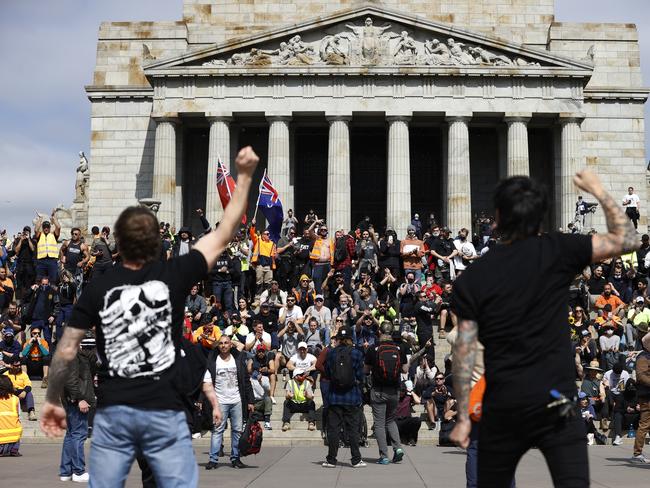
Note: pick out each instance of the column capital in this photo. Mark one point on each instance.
(218, 116)
(458, 117)
(517, 117)
(171, 117)
(567, 117)
(398, 117)
(278, 116)
(334, 116)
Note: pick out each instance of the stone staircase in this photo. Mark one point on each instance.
(298, 435)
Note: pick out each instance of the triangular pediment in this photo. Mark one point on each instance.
(366, 38)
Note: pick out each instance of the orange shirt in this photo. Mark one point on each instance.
(613, 300)
(211, 341)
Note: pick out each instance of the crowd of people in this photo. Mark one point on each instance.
(270, 314)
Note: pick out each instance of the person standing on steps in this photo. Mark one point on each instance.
(137, 308)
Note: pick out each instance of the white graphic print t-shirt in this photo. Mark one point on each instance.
(138, 315)
(225, 381)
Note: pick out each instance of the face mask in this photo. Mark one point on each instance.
(410, 280)
(609, 332)
(436, 234)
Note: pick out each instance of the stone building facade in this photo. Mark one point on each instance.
(382, 108)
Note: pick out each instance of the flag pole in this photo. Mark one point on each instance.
(259, 192)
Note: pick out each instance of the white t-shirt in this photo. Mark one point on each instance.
(615, 382)
(466, 249)
(250, 339)
(303, 364)
(631, 200)
(225, 381)
(294, 314)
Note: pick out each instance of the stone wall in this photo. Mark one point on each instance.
(122, 146)
(612, 48)
(614, 146)
(121, 50)
(211, 21)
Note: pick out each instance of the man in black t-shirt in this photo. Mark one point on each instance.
(386, 361)
(137, 308)
(527, 349)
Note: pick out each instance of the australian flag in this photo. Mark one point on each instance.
(271, 206)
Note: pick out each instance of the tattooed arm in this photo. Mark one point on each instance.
(464, 354)
(52, 414)
(621, 237)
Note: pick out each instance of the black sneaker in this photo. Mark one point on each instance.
(237, 464)
(220, 453)
(211, 465)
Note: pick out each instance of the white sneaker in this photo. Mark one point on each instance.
(328, 465)
(360, 464)
(618, 440)
(80, 478)
(590, 439)
(196, 435)
(65, 478)
(273, 400)
(640, 459)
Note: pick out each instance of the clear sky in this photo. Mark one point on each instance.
(47, 50)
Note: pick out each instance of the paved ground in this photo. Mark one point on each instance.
(422, 466)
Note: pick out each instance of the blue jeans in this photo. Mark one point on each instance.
(234, 413)
(73, 460)
(48, 267)
(222, 291)
(318, 274)
(62, 318)
(121, 432)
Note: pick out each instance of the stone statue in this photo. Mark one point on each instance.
(331, 50)
(436, 53)
(406, 50)
(458, 54)
(81, 182)
(368, 44)
(370, 37)
(486, 57)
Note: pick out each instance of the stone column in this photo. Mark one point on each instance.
(164, 168)
(398, 211)
(219, 146)
(278, 160)
(339, 208)
(459, 189)
(570, 163)
(517, 157)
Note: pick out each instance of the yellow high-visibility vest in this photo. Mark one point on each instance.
(10, 427)
(46, 247)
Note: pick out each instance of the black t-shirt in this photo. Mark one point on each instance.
(596, 285)
(371, 360)
(444, 247)
(518, 295)
(270, 321)
(139, 317)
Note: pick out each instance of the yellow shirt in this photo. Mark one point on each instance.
(20, 380)
(211, 341)
(10, 426)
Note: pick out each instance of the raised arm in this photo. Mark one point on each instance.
(464, 354)
(52, 414)
(621, 237)
(214, 243)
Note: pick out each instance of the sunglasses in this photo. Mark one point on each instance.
(439, 379)
(36, 334)
(339, 320)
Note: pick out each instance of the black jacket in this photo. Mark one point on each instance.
(243, 378)
(51, 308)
(79, 385)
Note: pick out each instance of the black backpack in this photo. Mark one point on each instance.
(343, 377)
(388, 364)
(250, 441)
(340, 249)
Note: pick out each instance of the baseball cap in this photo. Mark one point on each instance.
(298, 372)
(8, 331)
(319, 297)
(260, 347)
(265, 304)
(582, 395)
(302, 345)
(639, 300)
(585, 333)
(343, 333)
(235, 315)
